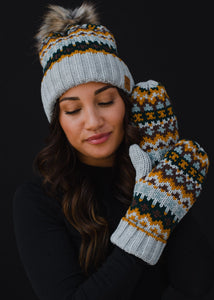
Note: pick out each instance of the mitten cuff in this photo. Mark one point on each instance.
(138, 242)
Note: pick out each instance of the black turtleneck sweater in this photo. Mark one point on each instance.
(49, 246)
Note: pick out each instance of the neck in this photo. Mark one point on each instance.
(97, 162)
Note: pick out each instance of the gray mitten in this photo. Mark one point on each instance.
(153, 114)
(161, 198)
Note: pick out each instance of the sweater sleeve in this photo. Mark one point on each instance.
(190, 261)
(50, 257)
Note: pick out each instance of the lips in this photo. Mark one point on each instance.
(98, 138)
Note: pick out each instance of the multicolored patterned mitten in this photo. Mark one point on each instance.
(160, 199)
(153, 114)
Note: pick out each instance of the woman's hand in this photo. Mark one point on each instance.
(153, 114)
(161, 198)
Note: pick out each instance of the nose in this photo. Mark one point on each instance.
(93, 119)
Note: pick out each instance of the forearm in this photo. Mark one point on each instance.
(117, 278)
(50, 256)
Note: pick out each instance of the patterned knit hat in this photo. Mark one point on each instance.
(73, 50)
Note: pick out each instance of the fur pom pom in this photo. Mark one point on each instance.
(58, 19)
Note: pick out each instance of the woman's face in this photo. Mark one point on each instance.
(91, 115)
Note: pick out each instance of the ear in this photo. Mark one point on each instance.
(140, 160)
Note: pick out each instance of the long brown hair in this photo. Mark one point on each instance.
(57, 162)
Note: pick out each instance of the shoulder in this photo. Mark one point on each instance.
(29, 188)
(30, 198)
(30, 192)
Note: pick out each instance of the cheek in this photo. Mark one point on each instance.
(68, 128)
(118, 117)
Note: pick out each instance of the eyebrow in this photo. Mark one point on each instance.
(102, 89)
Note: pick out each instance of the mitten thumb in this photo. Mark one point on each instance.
(140, 160)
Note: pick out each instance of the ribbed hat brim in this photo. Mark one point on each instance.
(81, 68)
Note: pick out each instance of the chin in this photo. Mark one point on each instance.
(98, 158)
(102, 155)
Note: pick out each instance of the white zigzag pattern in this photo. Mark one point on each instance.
(162, 198)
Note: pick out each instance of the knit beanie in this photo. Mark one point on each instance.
(74, 49)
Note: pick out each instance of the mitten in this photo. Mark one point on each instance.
(160, 199)
(153, 114)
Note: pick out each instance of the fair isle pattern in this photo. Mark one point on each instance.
(153, 113)
(160, 200)
(81, 54)
(77, 39)
(163, 197)
(144, 218)
(77, 32)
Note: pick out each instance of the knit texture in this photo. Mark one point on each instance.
(161, 199)
(153, 114)
(81, 54)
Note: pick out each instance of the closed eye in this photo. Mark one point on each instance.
(72, 112)
(106, 103)
(100, 104)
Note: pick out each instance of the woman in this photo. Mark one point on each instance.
(95, 223)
